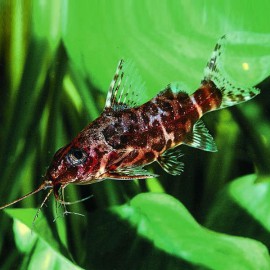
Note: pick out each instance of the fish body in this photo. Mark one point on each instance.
(120, 142)
(128, 136)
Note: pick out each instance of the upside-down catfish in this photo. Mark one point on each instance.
(127, 136)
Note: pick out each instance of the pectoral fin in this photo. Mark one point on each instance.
(130, 173)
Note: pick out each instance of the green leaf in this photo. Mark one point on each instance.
(36, 241)
(163, 39)
(163, 222)
(243, 209)
(253, 196)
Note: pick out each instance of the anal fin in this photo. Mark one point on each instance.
(169, 161)
(201, 138)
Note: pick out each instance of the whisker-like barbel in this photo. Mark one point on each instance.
(43, 186)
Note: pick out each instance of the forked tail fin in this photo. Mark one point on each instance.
(231, 94)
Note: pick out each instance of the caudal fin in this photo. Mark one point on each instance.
(231, 94)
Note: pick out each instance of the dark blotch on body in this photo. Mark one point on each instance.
(108, 132)
(140, 140)
(149, 156)
(168, 144)
(180, 130)
(111, 135)
(164, 105)
(167, 93)
(135, 140)
(155, 123)
(130, 116)
(181, 96)
(158, 139)
(150, 108)
(169, 127)
(145, 118)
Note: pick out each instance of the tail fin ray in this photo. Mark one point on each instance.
(231, 94)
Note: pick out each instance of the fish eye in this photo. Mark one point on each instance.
(76, 156)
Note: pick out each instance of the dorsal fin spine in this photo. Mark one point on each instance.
(126, 82)
(112, 89)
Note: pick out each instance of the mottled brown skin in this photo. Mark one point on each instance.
(132, 136)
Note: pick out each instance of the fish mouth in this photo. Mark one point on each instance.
(48, 181)
(48, 184)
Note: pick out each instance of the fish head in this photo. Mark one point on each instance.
(74, 163)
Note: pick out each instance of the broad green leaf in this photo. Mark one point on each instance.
(243, 209)
(158, 224)
(36, 242)
(164, 221)
(168, 41)
(24, 238)
(253, 196)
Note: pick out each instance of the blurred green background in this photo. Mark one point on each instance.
(57, 59)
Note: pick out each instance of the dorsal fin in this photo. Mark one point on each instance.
(124, 88)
